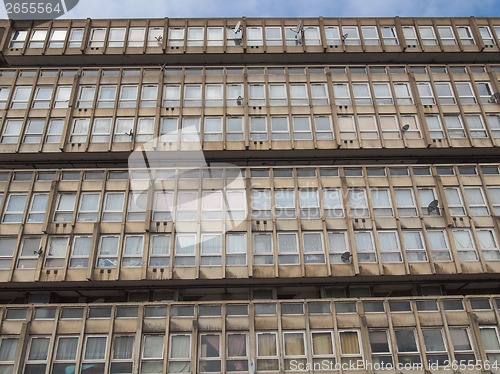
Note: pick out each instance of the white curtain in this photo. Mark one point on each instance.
(463, 239)
(39, 203)
(180, 346)
(123, 347)
(95, 348)
(81, 245)
(404, 198)
(287, 243)
(39, 349)
(437, 240)
(235, 243)
(380, 198)
(308, 199)
(211, 244)
(213, 91)
(332, 199)
(114, 202)
(185, 244)
(90, 202)
(277, 91)
(66, 202)
(66, 349)
(337, 242)
(8, 349)
(363, 241)
(134, 245)
(107, 93)
(313, 242)
(16, 203)
(161, 245)
(298, 91)
(128, 93)
(109, 245)
(388, 241)
(284, 199)
(262, 243)
(490, 339)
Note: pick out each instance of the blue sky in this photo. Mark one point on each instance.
(280, 8)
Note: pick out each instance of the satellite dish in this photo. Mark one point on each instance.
(237, 28)
(433, 205)
(405, 128)
(346, 257)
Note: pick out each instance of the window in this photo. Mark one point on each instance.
(407, 346)
(257, 95)
(323, 127)
(465, 246)
(435, 348)
(263, 249)
(136, 36)
(108, 251)
(121, 360)
(367, 127)
(285, 204)
(113, 207)
(234, 95)
(195, 36)
(86, 97)
(455, 126)
(159, 252)
(145, 129)
(80, 252)
(215, 36)
(476, 201)
(267, 352)
(163, 206)
(261, 204)
(36, 361)
(476, 126)
(302, 128)
(485, 91)
(97, 37)
(292, 37)
(209, 353)
(405, 202)
(361, 93)
(185, 248)
(187, 205)
(11, 131)
(63, 94)
(295, 351)
(414, 245)
(277, 94)
(403, 95)
(37, 39)
(350, 35)
(389, 35)
(132, 251)
(56, 252)
(179, 358)
(427, 35)
(155, 37)
(364, 246)
(380, 347)
(254, 36)
(175, 37)
(454, 199)
(235, 205)
(444, 93)
(4, 96)
(8, 350)
(465, 35)
(341, 93)
(211, 249)
(358, 203)
(7, 247)
(64, 207)
(171, 95)
(439, 245)
(101, 130)
(75, 38)
(382, 94)
(21, 97)
(38, 207)
(382, 206)
(462, 346)
(18, 38)
(34, 130)
(128, 97)
(28, 257)
(488, 244)
(350, 349)
(14, 208)
(106, 98)
(313, 248)
(465, 93)
(486, 35)
(213, 95)
(410, 35)
(446, 35)
(425, 93)
(258, 128)
(116, 37)
(41, 99)
(95, 352)
(288, 251)
(370, 34)
(332, 35)
(319, 94)
(332, 203)
(309, 203)
(390, 250)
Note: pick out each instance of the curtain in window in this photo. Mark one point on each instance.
(437, 239)
(380, 198)
(298, 91)
(308, 199)
(261, 200)
(213, 92)
(66, 349)
(490, 339)
(210, 346)
(211, 244)
(172, 92)
(161, 245)
(16, 203)
(95, 348)
(235, 243)
(39, 203)
(90, 202)
(474, 196)
(181, 347)
(114, 201)
(294, 344)
(262, 243)
(337, 242)
(128, 93)
(66, 202)
(349, 342)
(332, 198)
(388, 241)
(357, 198)
(313, 242)
(109, 245)
(284, 199)
(8, 349)
(363, 241)
(164, 201)
(58, 247)
(236, 346)
(322, 343)
(381, 90)
(486, 239)
(267, 345)
(107, 93)
(404, 198)
(134, 245)
(460, 339)
(287, 243)
(153, 346)
(39, 349)
(463, 239)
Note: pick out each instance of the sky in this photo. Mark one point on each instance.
(280, 8)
